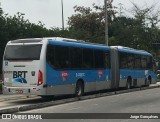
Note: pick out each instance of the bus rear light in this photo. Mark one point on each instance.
(40, 78)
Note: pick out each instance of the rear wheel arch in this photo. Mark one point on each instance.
(129, 82)
(79, 87)
(149, 79)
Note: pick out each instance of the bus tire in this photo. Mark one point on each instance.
(79, 90)
(128, 85)
(149, 81)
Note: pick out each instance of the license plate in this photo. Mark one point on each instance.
(19, 91)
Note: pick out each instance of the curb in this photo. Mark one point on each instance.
(127, 91)
(17, 97)
(46, 104)
(154, 86)
(58, 102)
(9, 110)
(122, 91)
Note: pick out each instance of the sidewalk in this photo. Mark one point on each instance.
(158, 83)
(15, 97)
(9, 96)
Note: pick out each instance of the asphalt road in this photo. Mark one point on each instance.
(146, 101)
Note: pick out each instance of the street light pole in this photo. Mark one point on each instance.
(106, 22)
(62, 15)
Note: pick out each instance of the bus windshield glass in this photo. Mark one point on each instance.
(23, 52)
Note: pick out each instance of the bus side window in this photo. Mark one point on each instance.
(107, 60)
(88, 59)
(123, 59)
(76, 57)
(130, 61)
(99, 58)
(62, 58)
(149, 63)
(144, 62)
(50, 55)
(138, 64)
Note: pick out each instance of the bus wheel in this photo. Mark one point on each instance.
(149, 81)
(79, 89)
(128, 85)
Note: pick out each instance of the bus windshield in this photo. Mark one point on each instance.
(23, 52)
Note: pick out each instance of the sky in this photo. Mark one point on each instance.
(49, 11)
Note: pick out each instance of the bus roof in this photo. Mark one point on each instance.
(62, 41)
(34, 40)
(78, 43)
(131, 50)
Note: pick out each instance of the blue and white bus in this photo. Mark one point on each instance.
(59, 66)
(131, 67)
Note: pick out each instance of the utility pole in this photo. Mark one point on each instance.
(62, 15)
(120, 9)
(106, 21)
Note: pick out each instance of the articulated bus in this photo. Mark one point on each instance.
(59, 66)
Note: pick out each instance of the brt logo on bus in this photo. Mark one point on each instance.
(19, 74)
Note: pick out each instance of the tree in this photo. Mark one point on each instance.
(122, 32)
(146, 25)
(17, 27)
(88, 24)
